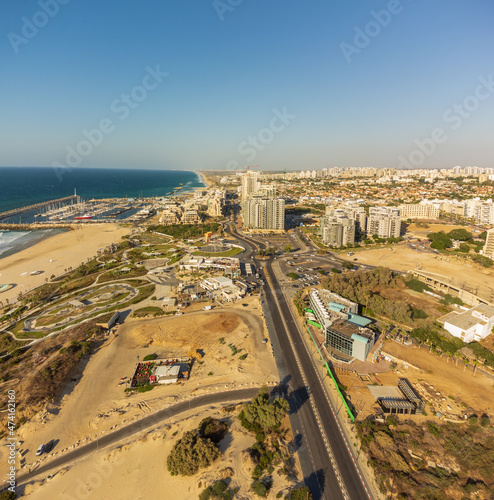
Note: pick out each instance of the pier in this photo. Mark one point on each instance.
(29, 208)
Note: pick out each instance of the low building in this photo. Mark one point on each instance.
(419, 211)
(166, 374)
(472, 325)
(215, 283)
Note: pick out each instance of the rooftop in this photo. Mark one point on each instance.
(478, 315)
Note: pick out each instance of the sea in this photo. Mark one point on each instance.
(23, 186)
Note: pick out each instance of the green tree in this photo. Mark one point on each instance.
(260, 414)
(459, 234)
(190, 454)
(288, 248)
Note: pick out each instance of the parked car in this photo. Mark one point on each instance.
(40, 450)
(48, 447)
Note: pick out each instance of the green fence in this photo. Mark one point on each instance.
(349, 411)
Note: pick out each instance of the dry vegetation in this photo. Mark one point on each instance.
(40, 372)
(433, 461)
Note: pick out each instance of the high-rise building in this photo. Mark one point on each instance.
(384, 221)
(489, 244)
(264, 213)
(337, 229)
(250, 184)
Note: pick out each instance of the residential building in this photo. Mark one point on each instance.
(337, 229)
(250, 184)
(419, 211)
(489, 244)
(264, 213)
(191, 217)
(384, 221)
(472, 325)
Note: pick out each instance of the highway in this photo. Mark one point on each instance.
(329, 468)
(135, 427)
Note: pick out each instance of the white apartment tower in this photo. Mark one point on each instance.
(250, 184)
(384, 221)
(337, 229)
(264, 213)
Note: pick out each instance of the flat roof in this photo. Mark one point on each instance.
(467, 319)
(167, 371)
(350, 330)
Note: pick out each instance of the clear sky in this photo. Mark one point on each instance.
(226, 83)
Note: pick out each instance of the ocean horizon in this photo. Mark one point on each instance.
(23, 186)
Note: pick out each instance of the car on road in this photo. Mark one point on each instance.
(178, 313)
(40, 450)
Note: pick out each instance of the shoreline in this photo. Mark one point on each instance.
(204, 179)
(19, 247)
(53, 255)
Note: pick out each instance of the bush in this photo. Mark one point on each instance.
(417, 285)
(261, 487)
(473, 420)
(244, 356)
(212, 428)
(485, 421)
(260, 414)
(302, 493)
(449, 299)
(190, 454)
(218, 490)
(150, 357)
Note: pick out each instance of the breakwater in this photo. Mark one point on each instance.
(36, 206)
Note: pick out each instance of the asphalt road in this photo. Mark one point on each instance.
(326, 479)
(135, 427)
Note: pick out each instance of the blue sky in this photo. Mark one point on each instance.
(351, 90)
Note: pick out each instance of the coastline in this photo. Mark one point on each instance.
(52, 255)
(203, 178)
(33, 237)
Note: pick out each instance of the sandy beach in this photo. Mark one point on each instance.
(204, 178)
(53, 256)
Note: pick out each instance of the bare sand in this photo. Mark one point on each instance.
(465, 274)
(54, 255)
(95, 401)
(137, 469)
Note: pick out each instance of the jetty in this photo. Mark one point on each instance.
(37, 206)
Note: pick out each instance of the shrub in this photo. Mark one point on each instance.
(473, 420)
(260, 414)
(485, 421)
(150, 357)
(417, 285)
(218, 490)
(212, 428)
(262, 486)
(302, 493)
(190, 454)
(244, 356)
